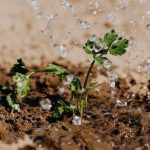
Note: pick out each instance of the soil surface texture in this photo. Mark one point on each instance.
(120, 123)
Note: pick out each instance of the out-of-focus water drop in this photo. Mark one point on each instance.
(45, 104)
(34, 4)
(112, 75)
(63, 50)
(107, 64)
(76, 120)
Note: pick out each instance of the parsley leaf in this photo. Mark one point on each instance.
(110, 37)
(119, 47)
(12, 102)
(22, 84)
(55, 69)
(116, 45)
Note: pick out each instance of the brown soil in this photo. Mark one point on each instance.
(106, 127)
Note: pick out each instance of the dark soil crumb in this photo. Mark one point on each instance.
(107, 126)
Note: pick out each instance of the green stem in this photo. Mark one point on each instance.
(88, 74)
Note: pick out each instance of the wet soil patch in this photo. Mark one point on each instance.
(106, 125)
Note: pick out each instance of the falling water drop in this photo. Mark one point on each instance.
(111, 16)
(61, 90)
(63, 50)
(93, 38)
(107, 64)
(34, 4)
(112, 75)
(121, 103)
(84, 25)
(65, 4)
(94, 7)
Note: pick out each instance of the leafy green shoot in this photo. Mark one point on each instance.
(21, 75)
(9, 98)
(54, 69)
(13, 102)
(62, 110)
(22, 84)
(99, 48)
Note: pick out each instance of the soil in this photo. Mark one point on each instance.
(106, 126)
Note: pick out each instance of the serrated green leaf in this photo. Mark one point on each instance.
(110, 37)
(119, 47)
(100, 59)
(55, 69)
(19, 67)
(22, 84)
(116, 45)
(12, 102)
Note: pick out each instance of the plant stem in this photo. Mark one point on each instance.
(88, 74)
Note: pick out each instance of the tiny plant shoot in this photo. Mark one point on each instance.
(97, 47)
(21, 75)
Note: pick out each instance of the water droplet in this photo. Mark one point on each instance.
(107, 64)
(112, 75)
(112, 84)
(70, 78)
(76, 120)
(94, 7)
(122, 4)
(121, 103)
(61, 90)
(111, 16)
(65, 4)
(46, 104)
(93, 38)
(146, 65)
(63, 50)
(133, 22)
(81, 91)
(40, 15)
(99, 68)
(34, 4)
(84, 25)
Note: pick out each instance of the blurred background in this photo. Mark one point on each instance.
(48, 29)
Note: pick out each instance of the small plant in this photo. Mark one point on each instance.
(21, 75)
(9, 98)
(98, 48)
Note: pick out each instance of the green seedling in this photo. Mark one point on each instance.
(98, 48)
(21, 76)
(9, 98)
